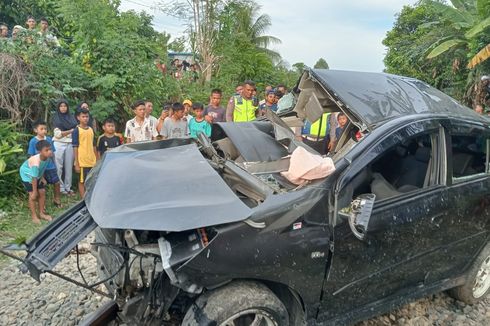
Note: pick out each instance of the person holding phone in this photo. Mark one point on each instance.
(166, 113)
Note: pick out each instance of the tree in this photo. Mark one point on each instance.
(321, 64)
(462, 21)
(299, 67)
(15, 12)
(254, 25)
(407, 43)
(217, 28)
(440, 43)
(201, 17)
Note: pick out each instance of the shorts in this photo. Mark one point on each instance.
(51, 176)
(83, 174)
(28, 185)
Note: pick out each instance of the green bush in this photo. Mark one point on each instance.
(11, 157)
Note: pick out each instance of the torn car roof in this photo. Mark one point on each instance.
(171, 189)
(376, 97)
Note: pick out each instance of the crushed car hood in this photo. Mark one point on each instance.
(254, 140)
(170, 189)
(373, 98)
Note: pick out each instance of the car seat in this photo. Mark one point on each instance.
(413, 170)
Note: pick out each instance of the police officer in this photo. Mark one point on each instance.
(243, 107)
(316, 134)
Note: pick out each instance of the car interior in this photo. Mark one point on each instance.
(402, 169)
(469, 155)
(408, 167)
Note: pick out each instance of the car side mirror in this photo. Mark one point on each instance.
(360, 214)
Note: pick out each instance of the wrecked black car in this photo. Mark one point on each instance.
(212, 233)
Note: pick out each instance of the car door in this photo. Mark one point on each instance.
(466, 228)
(398, 251)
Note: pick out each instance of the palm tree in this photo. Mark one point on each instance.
(462, 21)
(254, 26)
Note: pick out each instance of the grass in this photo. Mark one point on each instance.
(17, 226)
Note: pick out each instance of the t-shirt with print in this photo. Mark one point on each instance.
(218, 114)
(31, 150)
(33, 167)
(195, 127)
(174, 129)
(84, 139)
(153, 120)
(136, 132)
(104, 143)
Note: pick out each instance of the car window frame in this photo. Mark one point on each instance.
(468, 130)
(434, 127)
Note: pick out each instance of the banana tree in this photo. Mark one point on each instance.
(464, 21)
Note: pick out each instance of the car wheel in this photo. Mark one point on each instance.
(238, 304)
(478, 283)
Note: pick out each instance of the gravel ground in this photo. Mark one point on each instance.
(55, 302)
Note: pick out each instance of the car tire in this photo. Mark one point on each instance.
(240, 302)
(477, 285)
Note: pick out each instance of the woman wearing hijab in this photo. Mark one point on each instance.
(63, 124)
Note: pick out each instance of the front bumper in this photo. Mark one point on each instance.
(54, 242)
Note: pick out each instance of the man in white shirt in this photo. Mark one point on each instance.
(140, 128)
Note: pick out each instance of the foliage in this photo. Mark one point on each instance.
(481, 56)
(15, 219)
(299, 67)
(434, 41)
(10, 159)
(407, 43)
(43, 75)
(15, 12)
(230, 39)
(462, 22)
(321, 64)
(246, 20)
(117, 51)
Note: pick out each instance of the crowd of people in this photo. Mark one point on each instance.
(32, 32)
(74, 146)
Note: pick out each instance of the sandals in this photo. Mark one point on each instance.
(57, 205)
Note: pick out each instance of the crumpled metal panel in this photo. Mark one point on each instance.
(376, 97)
(172, 189)
(254, 141)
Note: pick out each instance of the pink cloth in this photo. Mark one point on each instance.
(305, 166)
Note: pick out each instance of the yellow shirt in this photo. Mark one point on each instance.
(84, 139)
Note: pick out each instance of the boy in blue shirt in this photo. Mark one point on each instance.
(50, 174)
(31, 172)
(199, 124)
(342, 120)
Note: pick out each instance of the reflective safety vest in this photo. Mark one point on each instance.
(315, 130)
(244, 109)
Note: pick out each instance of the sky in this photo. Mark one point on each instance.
(347, 34)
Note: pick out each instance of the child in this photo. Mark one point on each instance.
(83, 149)
(31, 172)
(342, 120)
(187, 110)
(199, 124)
(109, 139)
(50, 174)
(175, 126)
